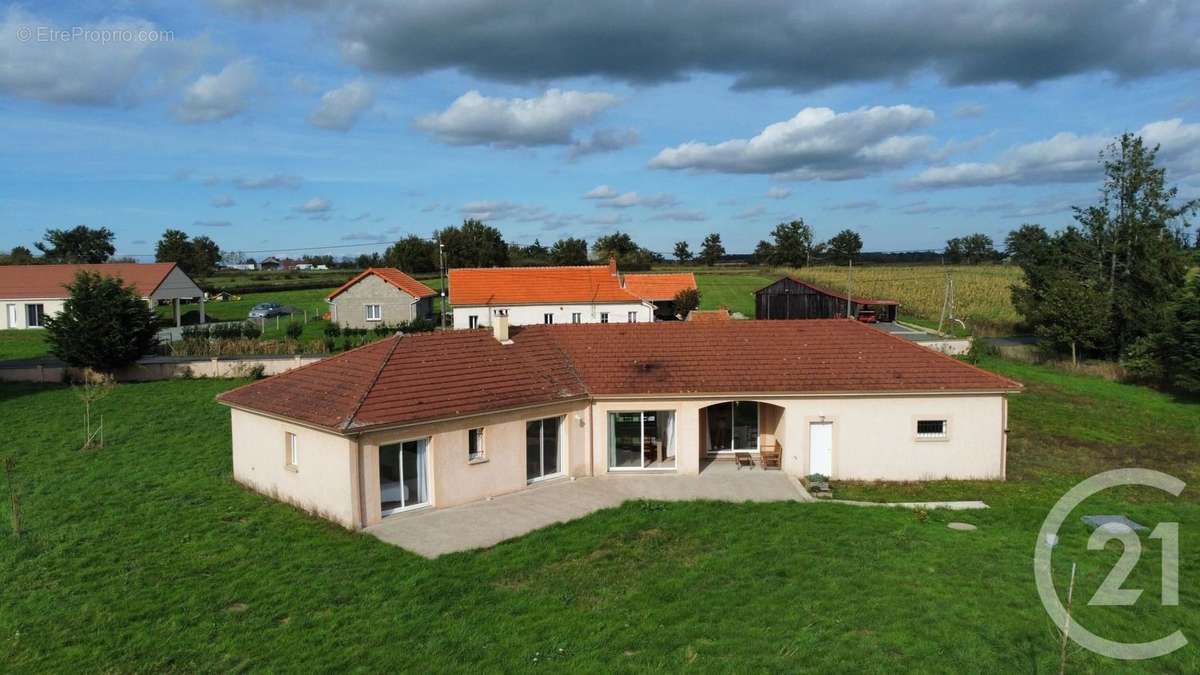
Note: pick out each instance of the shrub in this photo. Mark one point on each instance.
(104, 325)
(687, 300)
(330, 344)
(333, 330)
(382, 330)
(251, 330)
(418, 326)
(294, 330)
(1141, 361)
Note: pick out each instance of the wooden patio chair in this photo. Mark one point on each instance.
(743, 459)
(771, 457)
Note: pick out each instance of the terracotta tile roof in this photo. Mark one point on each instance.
(659, 287)
(394, 277)
(709, 315)
(49, 281)
(454, 373)
(536, 285)
(830, 292)
(416, 377)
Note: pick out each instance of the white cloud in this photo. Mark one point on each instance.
(779, 193)
(315, 205)
(752, 213)
(35, 66)
(600, 192)
(816, 144)
(549, 119)
(682, 216)
(1065, 158)
(222, 202)
(216, 97)
(212, 223)
(340, 108)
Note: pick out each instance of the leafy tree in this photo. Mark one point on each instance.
(413, 254)
(682, 252)
(1180, 342)
(104, 324)
(197, 257)
(712, 249)
(569, 251)
(687, 300)
(204, 257)
(80, 244)
(19, 255)
(365, 260)
(536, 251)
(792, 244)
(764, 252)
(473, 244)
(844, 246)
(617, 245)
(1072, 317)
(971, 249)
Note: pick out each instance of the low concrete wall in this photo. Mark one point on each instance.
(953, 347)
(160, 368)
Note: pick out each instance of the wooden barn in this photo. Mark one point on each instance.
(790, 298)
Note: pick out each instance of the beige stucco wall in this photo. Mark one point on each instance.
(324, 481)
(50, 307)
(874, 437)
(349, 308)
(453, 478)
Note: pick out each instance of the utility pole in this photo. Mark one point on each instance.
(849, 287)
(442, 266)
(947, 302)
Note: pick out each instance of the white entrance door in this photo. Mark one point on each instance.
(12, 316)
(820, 448)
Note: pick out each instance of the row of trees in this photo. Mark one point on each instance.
(1114, 284)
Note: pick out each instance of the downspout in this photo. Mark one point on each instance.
(360, 504)
(591, 440)
(1004, 438)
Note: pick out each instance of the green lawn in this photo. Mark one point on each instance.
(145, 556)
(22, 344)
(734, 290)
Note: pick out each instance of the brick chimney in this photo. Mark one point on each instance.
(612, 265)
(500, 326)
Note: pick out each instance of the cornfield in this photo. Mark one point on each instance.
(982, 293)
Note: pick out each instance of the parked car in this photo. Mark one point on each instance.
(867, 316)
(266, 310)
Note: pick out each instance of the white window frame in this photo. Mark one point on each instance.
(548, 318)
(378, 312)
(480, 454)
(603, 317)
(41, 315)
(576, 317)
(925, 437)
(291, 451)
(633, 317)
(473, 321)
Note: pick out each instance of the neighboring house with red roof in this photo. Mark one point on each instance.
(446, 418)
(380, 295)
(569, 294)
(31, 293)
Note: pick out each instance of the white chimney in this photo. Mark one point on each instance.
(500, 326)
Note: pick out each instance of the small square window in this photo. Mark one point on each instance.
(603, 317)
(633, 317)
(547, 318)
(374, 312)
(931, 428)
(35, 316)
(576, 317)
(475, 444)
(291, 452)
(473, 321)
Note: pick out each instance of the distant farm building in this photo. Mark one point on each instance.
(790, 298)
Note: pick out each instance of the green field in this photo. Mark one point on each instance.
(146, 556)
(22, 344)
(734, 290)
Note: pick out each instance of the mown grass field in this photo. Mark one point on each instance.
(145, 556)
(22, 344)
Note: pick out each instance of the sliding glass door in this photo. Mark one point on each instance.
(732, 426)
(641, 440)
(403, 481)
(542, 448)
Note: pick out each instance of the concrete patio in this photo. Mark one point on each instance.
(433, 532)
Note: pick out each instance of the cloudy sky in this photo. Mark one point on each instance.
(272, 124)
